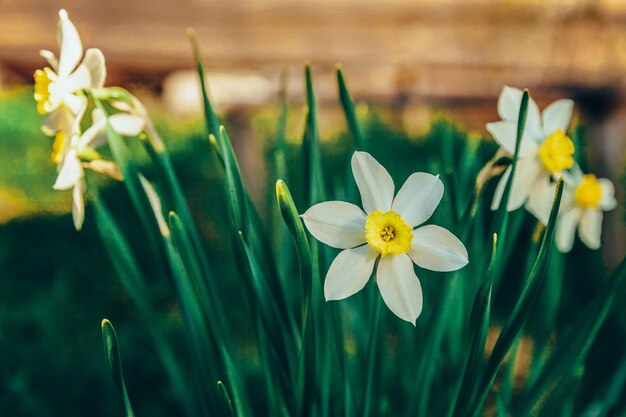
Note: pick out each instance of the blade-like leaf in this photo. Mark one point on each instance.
(501, 221)
(114, 362)
(502, 213)
(294, 224)
(369, 395)
(316, 188)
(131, 173)
(210, 116)
(127, 269)
(348, 109)
(196, 252)
(234, 183)
(521, 310)
(573, 347)
(479, 327)
(226, 402)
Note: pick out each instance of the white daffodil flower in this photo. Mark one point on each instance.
(545, 151)
(81, 154)
(585, 198)
(385, 232)
(56, 86)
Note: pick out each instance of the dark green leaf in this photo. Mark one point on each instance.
(114, 362)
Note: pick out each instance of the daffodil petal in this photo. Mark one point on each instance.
(566, 226)
(127, 124)
(505, 134)
(79, 79)
(591, 228)
(60, 119)
(94, 61)
(527, 171)
(539, 202)
(94, 136)
(435, 248)
(349, 272)
(51, 58)
(399, 286)
(374, 182)
(418, 198)
(103, 167)
(608, 201)
(71, 48)
(557, 116)
(78, 205)
(75, 103)
(336, 223)
(71, 172)
(508, 109)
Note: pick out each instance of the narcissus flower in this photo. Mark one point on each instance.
(385, 232)
(585, 198)
(56, 86)
(545, 151)
(82, 154)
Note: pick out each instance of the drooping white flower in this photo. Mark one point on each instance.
(56, 86)
(81, 154)
(384, 231)
(585, 198)
(545, 151)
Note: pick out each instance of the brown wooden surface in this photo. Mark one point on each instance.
(434, 48)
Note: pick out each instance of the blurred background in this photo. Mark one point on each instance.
(407, 62)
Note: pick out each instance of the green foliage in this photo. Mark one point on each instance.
(231, 301)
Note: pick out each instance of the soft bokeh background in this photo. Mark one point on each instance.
(408, 62)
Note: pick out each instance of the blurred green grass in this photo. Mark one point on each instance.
(57, 284)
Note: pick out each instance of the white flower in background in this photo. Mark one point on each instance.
(385, 232)
(56, 86)
(545, 151)
(585, 198)
(82, 154)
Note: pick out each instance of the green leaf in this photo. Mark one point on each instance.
(522, 308)
(114, 362)
(210, 343)
(247, 220)
(234, 183)
(195, 250)
(226, 402)
(316, 188)
(370, 395)
(502, 213)
(307, 366)
(210, 116)
(610, 394)
(277, 342)
(479, 327)
(127, 269)
(501, 221)
(281, 129)
(296, 229)
(184, 247)
(131, 173)
(348, 109)
(573, 347)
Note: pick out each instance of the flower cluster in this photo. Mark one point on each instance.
(388, 235)
(547, 153)
(60, 93)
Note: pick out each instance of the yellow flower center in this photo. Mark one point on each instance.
(556, 152)
(388, 233)
(589, 193)
(58, 147)
(43, 80)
